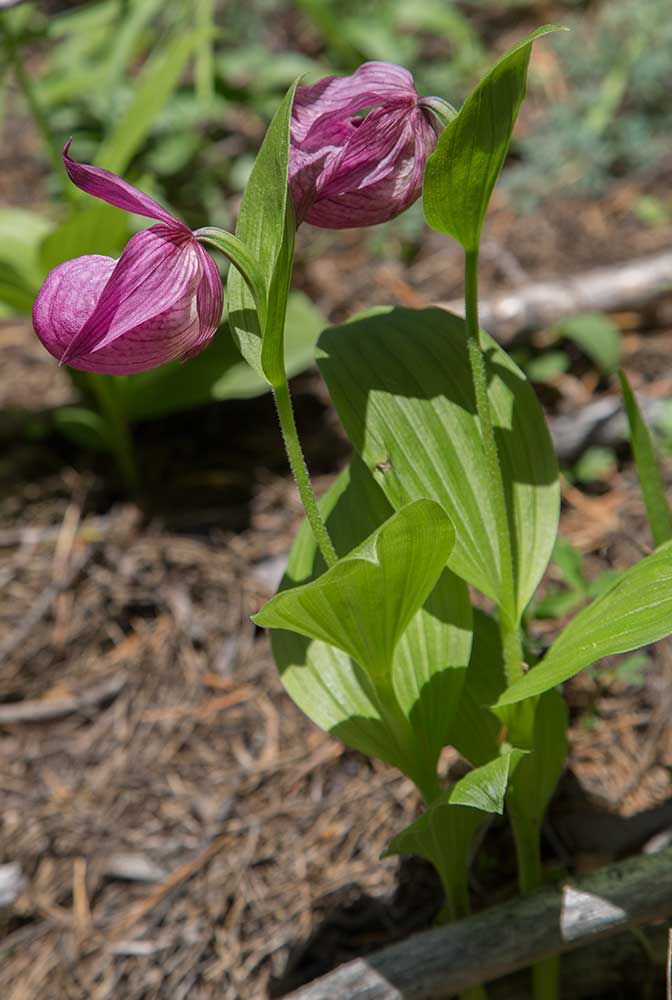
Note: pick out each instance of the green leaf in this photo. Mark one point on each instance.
(476, 731)
(429, 663)
(532, 786)
(401, 383)
(635, 611)
(266, 227)
(153, 88)
(599, 338)
(443, 834)
(365, 602)
(648, 471)
(463, 169)
(219, 373)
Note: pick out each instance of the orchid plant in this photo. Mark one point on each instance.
(453, 485)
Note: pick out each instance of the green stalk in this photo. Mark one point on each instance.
(34, 106)
(546, 973)
(114, 414)
(508, 619)
(283, 402)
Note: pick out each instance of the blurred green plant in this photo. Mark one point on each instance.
(615, 115)
(574, 588)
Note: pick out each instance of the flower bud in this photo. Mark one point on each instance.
(350, 169)
(161, 300)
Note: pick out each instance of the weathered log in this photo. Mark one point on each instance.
(605, 289)
(440, 963)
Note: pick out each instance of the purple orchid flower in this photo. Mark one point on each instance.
(347, 170)
(161, 300)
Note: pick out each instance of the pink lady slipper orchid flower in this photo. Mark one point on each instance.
(161, 300)
(348, 170)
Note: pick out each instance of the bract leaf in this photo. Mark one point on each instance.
(429, 663)
(463, 169)
(364, 603)
(401, 383)
(635, 611)
(266, 227)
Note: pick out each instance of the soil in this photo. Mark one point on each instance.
(181, 828)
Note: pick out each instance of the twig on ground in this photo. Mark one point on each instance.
(447, 960)
(606, 289)
(46, 709)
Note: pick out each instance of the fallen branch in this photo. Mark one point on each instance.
(444, 961)
(46, 709)
(602, 422)
(606, 289)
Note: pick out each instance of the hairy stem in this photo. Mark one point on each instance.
(283, 402)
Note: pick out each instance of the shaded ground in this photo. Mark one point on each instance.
(186, 831)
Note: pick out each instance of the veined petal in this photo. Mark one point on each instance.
(209, 303)
(371, 152)
(370, 84)
(322, 122)
(157, 271)
(167, 336)
(364, 189)
(67, 298)
(104, 184)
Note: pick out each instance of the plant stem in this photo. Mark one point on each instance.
(34, 106)
(121, 439)
(546, 973)
(283, 402)
(508, 618)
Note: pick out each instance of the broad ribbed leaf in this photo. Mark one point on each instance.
(429, 663)
(477, 731)
(634, 612)
(365, 602)
(401, 383)
(443, 834)
(463, 169)
(648, 471)
(266, 227)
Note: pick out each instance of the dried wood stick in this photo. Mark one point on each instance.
(46, 709)
(442, 962)
(605, 289)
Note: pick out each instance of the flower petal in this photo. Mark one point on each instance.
(321, 120)
(157, 271)
(209, 303)
(67, 299)
(104, 184)
(377, 174)
(165, 337)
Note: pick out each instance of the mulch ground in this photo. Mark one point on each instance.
(182, 830)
